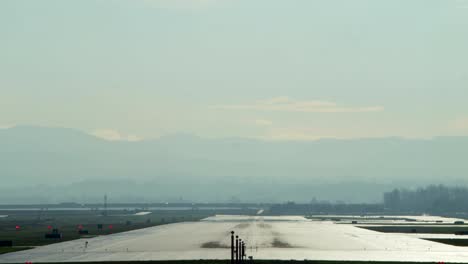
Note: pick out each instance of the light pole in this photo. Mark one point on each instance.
(237, 249)
(232, 247)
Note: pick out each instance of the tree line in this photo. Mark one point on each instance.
(430, 199)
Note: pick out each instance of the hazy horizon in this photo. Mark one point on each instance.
(56, 165)
(214, 100)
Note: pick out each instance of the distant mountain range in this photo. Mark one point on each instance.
(40, 164)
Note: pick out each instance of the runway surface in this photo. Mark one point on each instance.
(267, 238)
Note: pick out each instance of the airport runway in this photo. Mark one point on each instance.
(267, 238)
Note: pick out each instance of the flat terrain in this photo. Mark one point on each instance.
(273, 238)
(255, 261)
(34, 224)
(427, 229)
(4, 250)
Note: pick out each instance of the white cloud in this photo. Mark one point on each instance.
(460, 124)
(114, 135)
(286, 104)
(7, 126)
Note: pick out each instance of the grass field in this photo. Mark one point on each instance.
(421, 229)
(4, 250)
(33, 225)
(448, 241)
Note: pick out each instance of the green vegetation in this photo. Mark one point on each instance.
(449, 241)
(422, 229)
(435, 199)
(4, 250)
(34, 224)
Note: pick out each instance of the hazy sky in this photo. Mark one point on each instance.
(268, 69)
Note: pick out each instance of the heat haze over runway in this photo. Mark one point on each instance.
(280, 237)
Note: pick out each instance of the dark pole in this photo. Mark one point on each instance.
(232, 247)
(237, 249)
(240, 250)
(243, 251)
